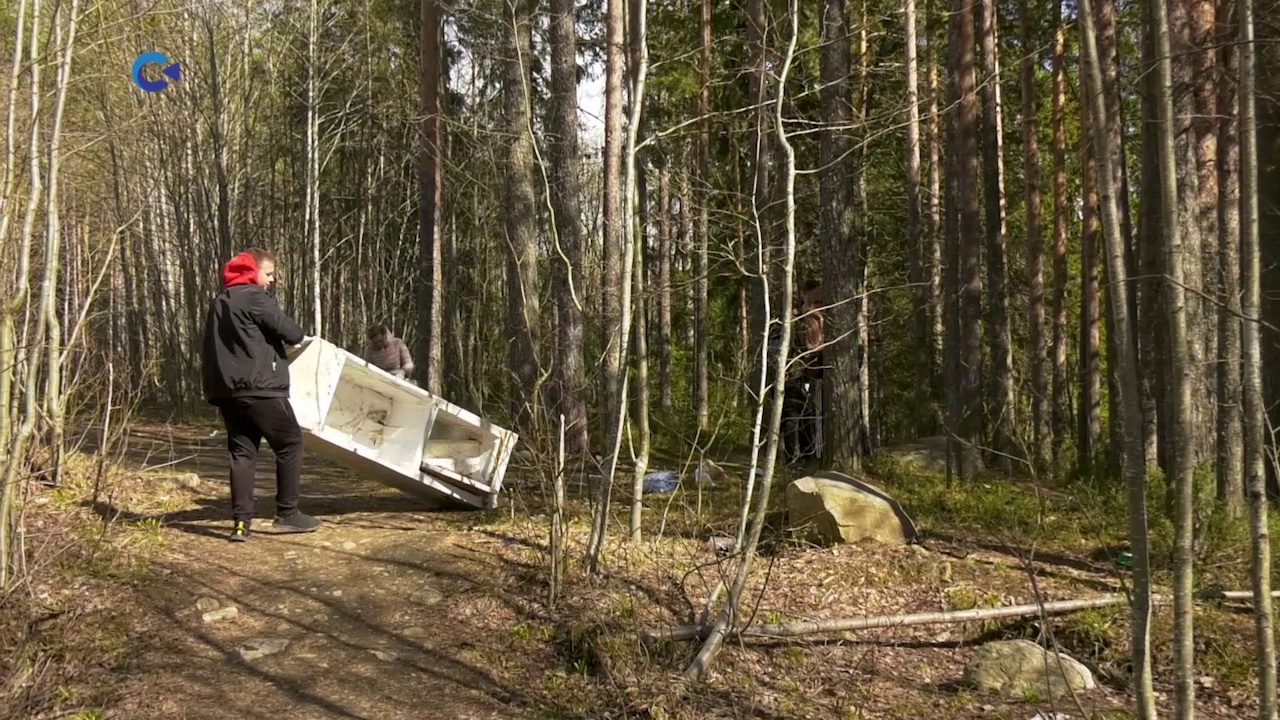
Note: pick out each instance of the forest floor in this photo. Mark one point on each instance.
(393, 610)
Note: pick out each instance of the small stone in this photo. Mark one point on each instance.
(319, 618)
(324, 543)
(427, 596)
(207, 604)
(225, 613)
(1206, 681)
(190, 480)
(348, 545)
(290, 555)
(337, 593)
(255, 648)
(283, 627)
(415, 632)
(385, 656)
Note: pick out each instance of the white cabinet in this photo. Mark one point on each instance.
(394, 432)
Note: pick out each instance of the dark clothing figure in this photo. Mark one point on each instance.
(249, 421)
(801, 406)
(246, 376)
(245, 339)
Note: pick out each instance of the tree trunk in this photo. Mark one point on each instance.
(1204, 123)
(842, 291)
(728, 614)
(702, 331)
(933, 235)
(431, 174)
(610, 318)
(1109, 60)
(915, 235)
(760, 152)
(1126, 356)
(600, 515)
(17, 438)
(521, 223)
(1189, 149)
(664, 287)
(1230, 438)
(1061, 387)
(1254, 419)
(1089, 411)
(969, 310)
(1039, 453)
(313, 173)
(571, 378)
(1000, 405)
(1151, 306)
(1180, 427)
(639, 337)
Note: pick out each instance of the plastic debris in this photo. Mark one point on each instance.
(662, 481)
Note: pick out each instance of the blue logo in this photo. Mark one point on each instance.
(174, 71)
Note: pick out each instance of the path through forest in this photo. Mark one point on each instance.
(384, 613)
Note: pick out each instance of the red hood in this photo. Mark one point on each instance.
(240, 270)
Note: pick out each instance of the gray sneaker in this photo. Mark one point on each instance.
(296, 522)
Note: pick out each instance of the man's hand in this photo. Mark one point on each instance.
(399, 374)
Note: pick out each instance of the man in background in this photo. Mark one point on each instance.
(246, 376)
(385, 350)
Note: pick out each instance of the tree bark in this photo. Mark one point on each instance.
(1189, 149)
(702, 331)
(844, 423)
(728, 613)
(614, 229)
(1254, 419)
(600, 515)
(431, 174)
(1061, 387)
(1230, 437)
(933, 235)
(760, 151)
(1180, 428)
(915, 233)
(969, 306)
(521, 222)
(1000, 404)
(1089, 411)
(1039, 452)
(664, 287)
(1126, 356)
(566, 273)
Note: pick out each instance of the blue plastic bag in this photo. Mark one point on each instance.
(663, 481)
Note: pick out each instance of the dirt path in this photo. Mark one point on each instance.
(381, 614)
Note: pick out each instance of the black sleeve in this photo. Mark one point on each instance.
(274, 321)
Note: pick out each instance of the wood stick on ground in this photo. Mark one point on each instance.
(691, 632)
(796, 629)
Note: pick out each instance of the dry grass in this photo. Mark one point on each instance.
(65, 627)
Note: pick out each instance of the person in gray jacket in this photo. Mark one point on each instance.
(388, 352)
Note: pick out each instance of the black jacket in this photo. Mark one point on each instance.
(245, 340)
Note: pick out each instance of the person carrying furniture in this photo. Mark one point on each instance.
(386, 351)
(246, 376)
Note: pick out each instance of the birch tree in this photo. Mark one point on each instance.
(1126, 353)
(1180, 379)
(1251, 350)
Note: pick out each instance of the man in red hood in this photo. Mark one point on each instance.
(246, 376)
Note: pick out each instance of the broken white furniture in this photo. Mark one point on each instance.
(393, 431)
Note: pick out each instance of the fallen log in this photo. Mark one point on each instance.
(946, 617)
(691, 632)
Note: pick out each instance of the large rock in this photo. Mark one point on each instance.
(929, 455)
(1021, 669)
(842, 509)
